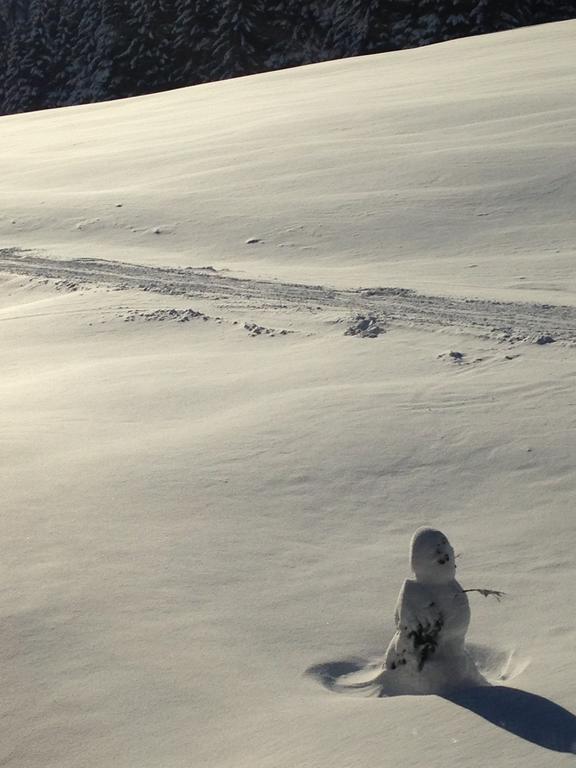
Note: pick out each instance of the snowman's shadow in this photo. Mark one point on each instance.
(526, 715)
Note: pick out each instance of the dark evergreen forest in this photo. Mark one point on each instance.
(62, 52)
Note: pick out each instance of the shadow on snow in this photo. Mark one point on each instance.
(526, 715)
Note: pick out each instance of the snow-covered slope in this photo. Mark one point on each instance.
(447, 163)
(198, 508)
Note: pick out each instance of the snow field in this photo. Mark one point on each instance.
(442, 168)
(193, 515)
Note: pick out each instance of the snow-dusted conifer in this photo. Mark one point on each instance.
(83, 62)
(360, 26)
(28, 62)
(13, 11)
(111, 43)
(65, 37)
(437, 20)
(194, 36)
(485, 15)
(4, 44)
(240, 41)
(310, 33)
(147, 60)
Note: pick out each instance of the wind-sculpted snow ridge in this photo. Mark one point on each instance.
(507, 321)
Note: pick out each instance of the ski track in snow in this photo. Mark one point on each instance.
(509, 321)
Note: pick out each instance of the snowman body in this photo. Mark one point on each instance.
(427, 653)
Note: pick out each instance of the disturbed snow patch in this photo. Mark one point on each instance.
(188, 314)
(453, 356)
(170, 315)
(365, 326)
(359, 675)
(507, 322)
(259, 330)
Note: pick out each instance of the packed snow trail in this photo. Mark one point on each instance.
(511, 321)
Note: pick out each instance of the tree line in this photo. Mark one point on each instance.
(63, 52)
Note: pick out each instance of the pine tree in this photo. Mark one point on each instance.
(194, 37)
(83, 62)
(55, 32)
(310, 39)
(404, 16)
(240, 40)
(111, 43)
(485, 16)
(147, 60)
(360, 26)
(456, 20)
(21, 79)
(432, 21)
(281, 15)
(525, 12)
(72, 13)
(14, 10)
(518, 14)
(32, 56)
(4, 45)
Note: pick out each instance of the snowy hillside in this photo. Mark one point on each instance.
(448, 166)
(254, 334)
(64, 52)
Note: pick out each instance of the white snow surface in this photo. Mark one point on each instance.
(197, 507)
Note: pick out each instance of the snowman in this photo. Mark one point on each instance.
(428, 654)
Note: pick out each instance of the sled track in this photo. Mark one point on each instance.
(395, 306)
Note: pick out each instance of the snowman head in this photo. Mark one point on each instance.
(432, 556)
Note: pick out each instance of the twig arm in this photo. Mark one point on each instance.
(488, 592)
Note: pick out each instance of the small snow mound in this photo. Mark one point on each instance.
(365, 326)
(375, 292)
(544, 339)
(66, 285)
(507, 336)
(353, 675)
(259, 330)
(161, 315)
(368, 677)
(453, 356)
(498, 665)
